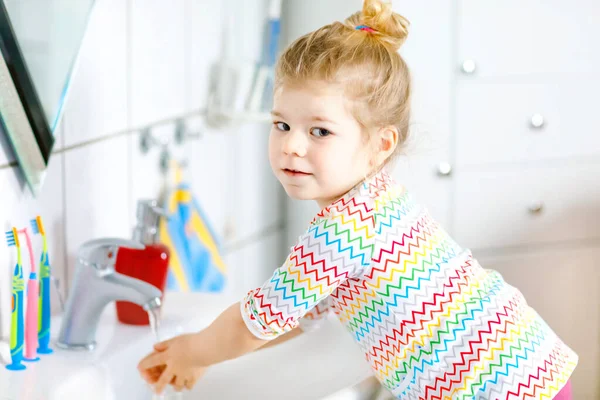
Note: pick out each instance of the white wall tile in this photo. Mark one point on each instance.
(250, 266)
(257, 192)
(228, 169)
(147, 178)
(208, 19)
(97, 102)
(211, 176)
(157, 70)
(97, 195)
(298, 215)
(203, 19)
(18, 208)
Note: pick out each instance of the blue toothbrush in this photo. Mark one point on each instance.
(44, 303)
(17, 327)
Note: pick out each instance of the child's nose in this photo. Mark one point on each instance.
(295, 143)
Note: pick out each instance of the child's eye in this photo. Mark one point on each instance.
(282, 126)
(319, 132)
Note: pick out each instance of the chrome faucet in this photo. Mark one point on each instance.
(96, 284)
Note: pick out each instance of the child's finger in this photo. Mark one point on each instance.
(156, 372)
(191, 380)
(164, 380)
(162, 346)
(147, 376)
(151, 375)
(179, 383)
(152, 360)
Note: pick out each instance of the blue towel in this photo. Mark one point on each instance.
(195, 262)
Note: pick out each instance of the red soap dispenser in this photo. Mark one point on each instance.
(150, 265)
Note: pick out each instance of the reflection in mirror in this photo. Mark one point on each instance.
(39, 43)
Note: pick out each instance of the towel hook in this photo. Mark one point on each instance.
(148, 141)
(182, 133)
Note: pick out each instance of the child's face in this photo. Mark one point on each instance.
(317, 148)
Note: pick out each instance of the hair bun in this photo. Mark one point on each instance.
(393, 27)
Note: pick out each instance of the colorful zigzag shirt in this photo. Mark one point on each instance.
(433, 324)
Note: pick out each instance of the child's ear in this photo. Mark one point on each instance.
(386, 143)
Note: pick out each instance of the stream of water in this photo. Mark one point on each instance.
(169, 393)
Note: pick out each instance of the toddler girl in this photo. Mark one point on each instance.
(432, 323)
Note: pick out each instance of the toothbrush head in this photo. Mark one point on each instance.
(12, 238)
(37, 226)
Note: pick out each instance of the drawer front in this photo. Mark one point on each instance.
(563, 286)
(515, 37)
(499, 123)
(429, 182)
(522, 206)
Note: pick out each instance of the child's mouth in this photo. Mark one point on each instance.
(295, 173)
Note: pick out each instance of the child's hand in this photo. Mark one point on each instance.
(173, 361)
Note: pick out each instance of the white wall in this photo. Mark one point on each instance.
(145, 61)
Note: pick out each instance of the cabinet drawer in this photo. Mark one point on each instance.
(524, 122)
(421, 176)
(515, 37)
(563, 286)
(522, 206)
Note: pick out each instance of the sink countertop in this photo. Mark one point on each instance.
(311, 366)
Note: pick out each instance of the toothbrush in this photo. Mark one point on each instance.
(263, 84)
(16, 334)
(44, 310)
(31, 314)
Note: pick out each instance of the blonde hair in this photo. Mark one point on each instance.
(365, 61)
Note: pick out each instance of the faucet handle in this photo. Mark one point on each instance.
(102, 253)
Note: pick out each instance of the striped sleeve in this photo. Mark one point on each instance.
(334, 249)
(313, 319)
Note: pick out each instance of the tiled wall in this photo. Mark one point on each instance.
(144, 61)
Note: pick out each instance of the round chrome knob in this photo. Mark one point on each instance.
(468, 66)
(536, 207)
(444, 169)
(537, 121)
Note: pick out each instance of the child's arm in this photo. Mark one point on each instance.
(226, 338)
(283, 338)
(333, 250)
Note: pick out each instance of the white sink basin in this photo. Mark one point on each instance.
(311, 366)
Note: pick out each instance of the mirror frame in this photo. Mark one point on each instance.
(22, 116)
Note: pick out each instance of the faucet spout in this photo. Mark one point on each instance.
(124, 288)
(95, 285)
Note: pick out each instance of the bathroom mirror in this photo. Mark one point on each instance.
(39, 44)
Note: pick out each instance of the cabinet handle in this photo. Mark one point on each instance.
(444, 169)
(537, 121)
(468, 67)
(536, 207)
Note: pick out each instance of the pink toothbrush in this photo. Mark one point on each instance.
(31, 317)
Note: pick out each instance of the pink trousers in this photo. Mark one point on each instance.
(565, 393)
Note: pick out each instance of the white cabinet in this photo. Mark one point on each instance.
(504, 122)
(563, 286)
(534, 37)
(527, 205)
(527, 159)
(428, 53)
